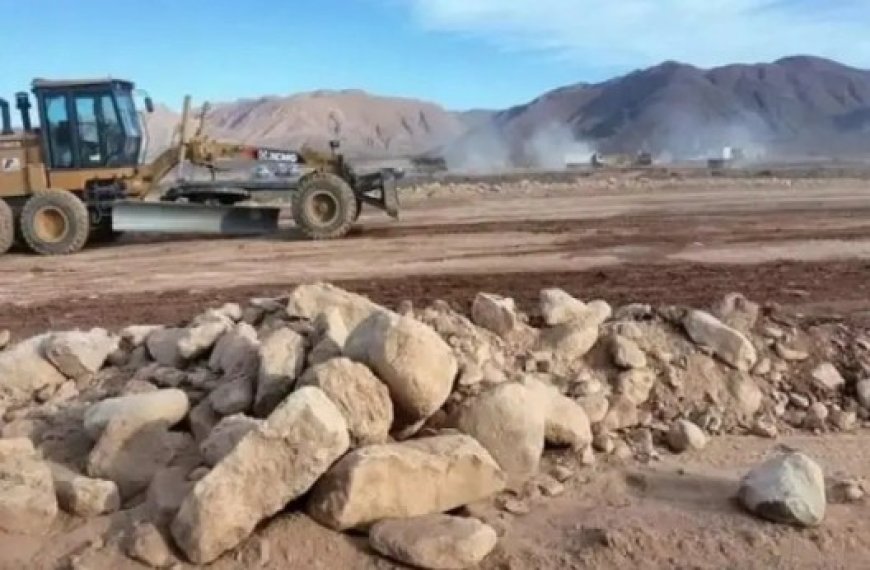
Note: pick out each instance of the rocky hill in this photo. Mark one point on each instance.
(367, 125)
(799, 105)
(795, 106)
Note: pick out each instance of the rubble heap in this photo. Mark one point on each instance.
(372, 420)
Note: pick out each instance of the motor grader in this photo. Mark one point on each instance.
(79, 176)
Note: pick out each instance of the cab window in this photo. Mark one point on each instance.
(59, 131)
(90, 149)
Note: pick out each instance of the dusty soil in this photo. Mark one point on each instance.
(802, 243)
(679, 512)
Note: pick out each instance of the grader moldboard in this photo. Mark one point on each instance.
(78, 177)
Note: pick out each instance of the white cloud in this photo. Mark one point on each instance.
(632, 33)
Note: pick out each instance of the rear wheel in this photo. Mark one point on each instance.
(324, 206)
(7, 227)
(55, 222)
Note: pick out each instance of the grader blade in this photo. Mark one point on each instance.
(168, 217)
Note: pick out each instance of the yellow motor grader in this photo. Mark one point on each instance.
(78, 176)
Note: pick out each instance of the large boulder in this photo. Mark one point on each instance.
(168, 489)
(788, 488)
(24, 371)
(282, 358)
(434, 541)
(198, 339)
(162, 344)
(569, 342)
(165, 406)
(27, 498)
(271, 466)
(225, 436)
(202, 420)
(559, 307)
(330, 334)
(235, 395)
(730, 345)
(480, 353)
(364, 400)
(84, 496)
(626, 353)
(130, 453)
(827, 377)
(414, 362)
(566, 422)
(495, 313)
(400, 480)
(737, 312)
(510, 422)
(310, 300)
(78, 354)
(237, 353)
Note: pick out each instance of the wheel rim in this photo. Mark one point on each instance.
(50, 224)
(322, 208)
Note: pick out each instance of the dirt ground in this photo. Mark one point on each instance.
(802, 243)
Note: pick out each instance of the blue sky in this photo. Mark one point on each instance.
(461, 53)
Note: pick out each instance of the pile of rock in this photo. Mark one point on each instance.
(380, 421)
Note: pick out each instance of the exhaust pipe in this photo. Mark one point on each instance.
(22, 102)
(5, 118)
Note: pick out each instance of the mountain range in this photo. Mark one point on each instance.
(795, 106)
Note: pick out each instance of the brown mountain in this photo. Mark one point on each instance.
(797, 105)
(367, 125)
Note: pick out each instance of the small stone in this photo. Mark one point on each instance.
(863, 391)
(772, 331)
(636, 385)
(828, 377)
(198, 473)
(791, 354)
(816, 416)
(685, 435)
(550, 487)
(603, 443)
(513, 505)
(622, 450)
(799, 401)
(147, 545)
(596, 407)
(562, 473)
(83, 496)
(587, 457)
(627, 354)
(763, 367)
(434, 541)
(844, 420)
(763, 427)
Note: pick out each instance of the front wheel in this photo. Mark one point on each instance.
(7, 227)
(55, 222)
(324, 206)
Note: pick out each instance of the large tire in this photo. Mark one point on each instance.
(7, 227)
(324, 206)
(55, 222)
